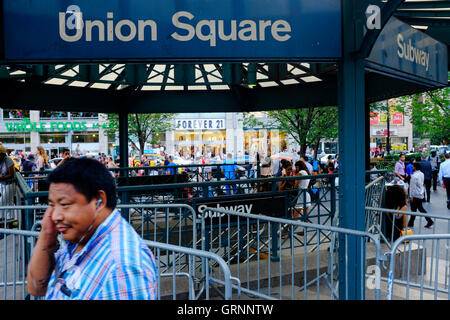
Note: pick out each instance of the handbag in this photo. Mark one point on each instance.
(407, 232)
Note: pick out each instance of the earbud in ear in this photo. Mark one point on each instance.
(98, 202)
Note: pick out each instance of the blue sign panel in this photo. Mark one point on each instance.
(401, 48)
(171, 29)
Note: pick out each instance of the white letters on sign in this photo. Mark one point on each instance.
(200, 124)
(210, 31)
(410, 53)
(373, 14)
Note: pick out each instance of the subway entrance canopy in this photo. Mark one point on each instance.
(143, 56)
(203, 56)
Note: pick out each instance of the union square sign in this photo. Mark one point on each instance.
(171, 29)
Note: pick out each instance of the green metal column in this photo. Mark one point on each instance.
(123, 151)
(351, 105)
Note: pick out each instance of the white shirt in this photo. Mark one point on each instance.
(416, 188)
(444, 171)
(309, 166)
(303, 184)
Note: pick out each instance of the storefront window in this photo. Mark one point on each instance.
(52, 138)
(84, 115)
(266, 142)
(397, 143)
(254, 141)
(53, 114)
(85, 137)
(208, 143)
(15, 114)
(15, 138)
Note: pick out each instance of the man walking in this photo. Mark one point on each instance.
(435, 161)
(400, 170)
(444, 177)
(425, 167)
(416, 193)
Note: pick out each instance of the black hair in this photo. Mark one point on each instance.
(302, 166)
(395, 197)
(416, 165)
(284, 163)
(88, 177)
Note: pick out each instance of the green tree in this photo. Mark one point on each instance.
(307, 126)
(142, 128)
(429, 113)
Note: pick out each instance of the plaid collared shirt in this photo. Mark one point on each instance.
(115, 264)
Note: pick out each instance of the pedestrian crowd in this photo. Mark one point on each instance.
(413, 182)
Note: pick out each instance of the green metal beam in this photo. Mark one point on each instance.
(88, 72)
(33, 96)
(387, 10)
(423, 14)
(277, 71)
(136, 74)
(431, 22)
(351, 111)
(442, 4)
(184, 74)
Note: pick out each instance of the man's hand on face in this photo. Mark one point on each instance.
(48, 226)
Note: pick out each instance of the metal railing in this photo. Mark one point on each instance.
(9, 197)
(15, 249)
(206, 274)
(414, 276)
(250, 244)
(212, 279)
(374, 198)
(392, 224)
(168, 223)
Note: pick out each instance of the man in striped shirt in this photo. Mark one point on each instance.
(102, 258)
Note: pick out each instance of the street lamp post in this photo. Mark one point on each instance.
(388, 137)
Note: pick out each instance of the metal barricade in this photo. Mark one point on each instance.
(8, 197)
(413, 275)
(207, 275)
(395, 223)
(374, 199)
(167, 223)
(251, 246)
(25, 216)
(15, 247)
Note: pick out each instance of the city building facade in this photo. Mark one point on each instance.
(24, 131)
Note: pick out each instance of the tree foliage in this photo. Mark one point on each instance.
(429, 113)
(142, 128)
(307, 126)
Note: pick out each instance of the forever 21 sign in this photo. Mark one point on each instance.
(200, 124)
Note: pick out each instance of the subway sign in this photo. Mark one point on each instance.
(171, 29)
(53, 126)
(402, 49)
